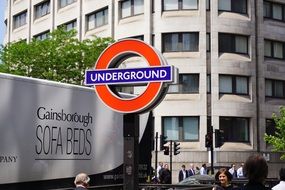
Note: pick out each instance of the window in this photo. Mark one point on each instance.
(208, 5)
(237, 6)
(70, 25)
(63, 3)
(42, 36)
(232, 43)
(274, 88)
(152, 40)
(97, 19)
(188, 83)
(230, 84)
(20, 19)
(208, 42)
(270, 127)
(42, 9)
(185, 42)
(208, 83)
(274, 11)
(131, 8)
(170, 5)
(181, 128)
(236, 129)
(274, 49)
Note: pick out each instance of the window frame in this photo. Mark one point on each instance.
(19, 15)
(233, 121)
(181, 129)
(39, 7)
(234, 84)
(272, 49)
(132, 6)
(180, 85)
(67, 23)
(180, 6)
(40, 34)
(232, 8)
(273, 85)
(180, 41)
(106, 20)
(232, 42)
(66, 3)
(271, 11)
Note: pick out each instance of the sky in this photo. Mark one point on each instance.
(2, 25)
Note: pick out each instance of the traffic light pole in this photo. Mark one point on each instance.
(170, 157)
(212, 151)
(212, 159)
(131, 151)
(156, 152)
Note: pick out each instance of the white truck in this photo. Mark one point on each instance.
(52, 131)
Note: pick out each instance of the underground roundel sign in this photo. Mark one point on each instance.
(106, 73)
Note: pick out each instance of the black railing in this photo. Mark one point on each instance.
(149, 187)
(205, 185)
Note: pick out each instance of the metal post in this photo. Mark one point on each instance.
(131, 151)
(156, 152)
(212, 151)
(170, 156)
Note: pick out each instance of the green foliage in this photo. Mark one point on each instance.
(61, 57)
(278, 139)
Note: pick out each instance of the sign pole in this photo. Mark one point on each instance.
(131, 151)
(156, 152)
(170, 156)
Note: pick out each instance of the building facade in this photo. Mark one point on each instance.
(230, 55)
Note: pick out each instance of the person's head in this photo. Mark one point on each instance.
(224, 177)
(233, 166)
(192, 166)
(82, 179)
(204, 165)
(166, 166)
(161, 164)
(183, 167)
(282, 174)
(256, 168)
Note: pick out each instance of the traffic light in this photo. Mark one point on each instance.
(209, 140)
(166, 150)
(162, 142)
(219, 138)
(176, 148)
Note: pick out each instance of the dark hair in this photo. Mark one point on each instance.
(282, 174)
(256, 168)
(224, 171)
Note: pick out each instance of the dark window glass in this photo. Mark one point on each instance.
(270, 127)
(131, 8)
(275, 11)
(63, 3)
(274, 49)
(233, 43)
(188, 83)
(238, 6)
(230, 84)
(170, 5)
(181, 128)
(97, 19)
(20, 19)
(42, 9)
(236, 129)
(274, 88)
(185, 42)
(42, 36)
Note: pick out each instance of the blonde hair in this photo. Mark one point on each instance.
(82, 179)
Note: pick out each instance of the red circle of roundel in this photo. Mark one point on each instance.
(144, 100)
